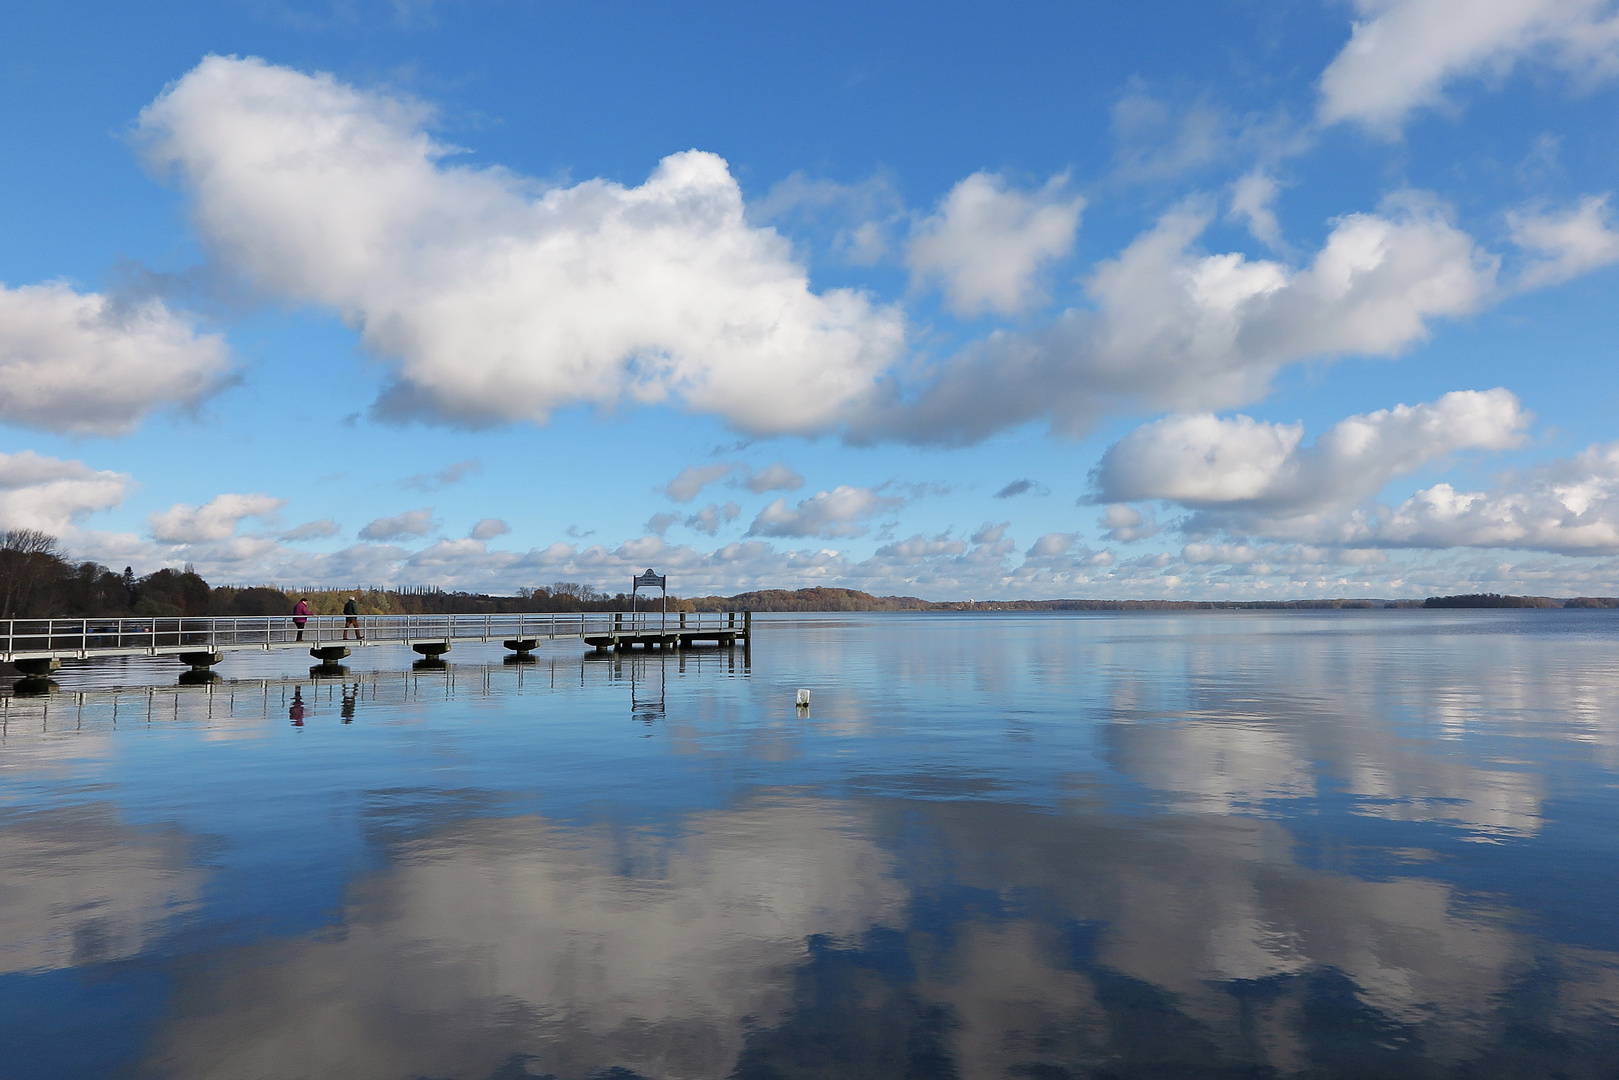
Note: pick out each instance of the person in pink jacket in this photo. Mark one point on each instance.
(300, 615)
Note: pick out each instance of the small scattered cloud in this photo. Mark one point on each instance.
(450, 474)
(691, 480)
(773, 477)
(311, 530)
(1569, 242)
(1022, 487)
(919, 549)
(404, 526)
(1253, 202)
(1126, 524)
(489, 528)
(862, 218)
(709, 519)
(991, 533)
(659, 523)
(843, 511)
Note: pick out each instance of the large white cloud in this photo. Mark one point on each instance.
(82, 364)
(1175, 329)
(988, 242)
(496, 297)
(1255, 476)
(51, 495)
(1402, 53)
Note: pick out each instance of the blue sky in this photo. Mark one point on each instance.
(1157, 300)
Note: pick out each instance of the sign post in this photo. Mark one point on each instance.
(650, 580)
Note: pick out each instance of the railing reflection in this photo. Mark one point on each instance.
(206, 695)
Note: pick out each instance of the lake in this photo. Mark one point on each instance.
(1045, 845)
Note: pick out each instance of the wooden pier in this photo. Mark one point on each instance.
(36, 647)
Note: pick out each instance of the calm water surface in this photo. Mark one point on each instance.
(1358, 844)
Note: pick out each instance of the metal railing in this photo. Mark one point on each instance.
(30, 638)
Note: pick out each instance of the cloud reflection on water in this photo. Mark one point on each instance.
(719, 948)
(579, 948)
(1044, 848)
(78, 886)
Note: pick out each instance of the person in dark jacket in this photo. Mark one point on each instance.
(351, 618)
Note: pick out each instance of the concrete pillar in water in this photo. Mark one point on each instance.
(329, 655)
(521, 646)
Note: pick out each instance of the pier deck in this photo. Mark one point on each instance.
(37, 646)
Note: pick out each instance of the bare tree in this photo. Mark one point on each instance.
(28, 542)
(30, 567)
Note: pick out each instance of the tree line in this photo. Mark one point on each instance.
(39, 581)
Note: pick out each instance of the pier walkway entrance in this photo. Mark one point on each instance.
(38, 646)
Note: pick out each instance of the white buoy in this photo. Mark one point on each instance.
(803, 698)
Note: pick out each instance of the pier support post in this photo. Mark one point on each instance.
(201, 661)
(521, 646)
(37, 667)
(431, 649)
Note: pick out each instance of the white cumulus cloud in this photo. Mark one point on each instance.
(1569, 243)
(50, 494)
(1249, 475)
(1402, 53)
(496, 297)
(1175, 329)
(1569, 506)
(82, 364)
(216, 519)
(988, 242)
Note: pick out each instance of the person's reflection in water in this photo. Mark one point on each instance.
(350, 696)
(296, 712)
